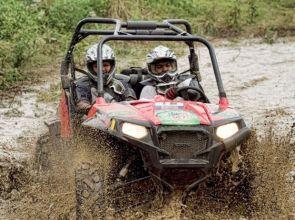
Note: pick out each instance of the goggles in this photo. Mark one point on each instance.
(117, 86)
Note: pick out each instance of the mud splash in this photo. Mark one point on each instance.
(50, 194)
(253, 85)
(46, 189)
(274, 184)
(271, 189)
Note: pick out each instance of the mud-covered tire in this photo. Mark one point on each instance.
(50, 152)
(49, 145)
(91, 202)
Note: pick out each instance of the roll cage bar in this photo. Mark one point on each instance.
(139, 31)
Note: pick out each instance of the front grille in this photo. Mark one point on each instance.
(183, 144)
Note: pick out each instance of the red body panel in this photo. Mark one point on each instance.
(65, 127)
(146, 110)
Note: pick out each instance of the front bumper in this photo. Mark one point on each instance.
(185, 169)
(206, 159)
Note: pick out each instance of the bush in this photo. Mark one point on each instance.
(18, 29)
(34, 33)
(64, 15)
(233, 18)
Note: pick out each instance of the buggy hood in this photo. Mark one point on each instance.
(159, 111)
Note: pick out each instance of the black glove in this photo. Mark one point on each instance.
(170, 93)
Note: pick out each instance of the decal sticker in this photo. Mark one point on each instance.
(177, 117)
(168, 106)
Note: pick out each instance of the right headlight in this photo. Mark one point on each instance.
(225, 131)
(133, 130)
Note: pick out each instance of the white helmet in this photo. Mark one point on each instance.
(107, 55)
(161, 53)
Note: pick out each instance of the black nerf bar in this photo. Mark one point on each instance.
(143, 25)
(133, 32)
(99, 21)
(180, 21)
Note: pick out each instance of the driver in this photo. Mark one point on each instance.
(86, 87)
(162, 69)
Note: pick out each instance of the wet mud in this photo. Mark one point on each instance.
(37, 183)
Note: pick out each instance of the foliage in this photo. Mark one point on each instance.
(37, 32)
(252, 12)
(234, 18)
(18, 29)
(52, 95)
(63, 16)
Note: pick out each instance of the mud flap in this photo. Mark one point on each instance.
(47, 144)
(53, 125)
(65, 124)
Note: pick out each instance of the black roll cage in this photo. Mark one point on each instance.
(139, 31)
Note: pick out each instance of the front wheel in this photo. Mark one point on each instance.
(91, 202)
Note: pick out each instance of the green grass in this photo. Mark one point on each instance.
(50, 95)
(36, 33)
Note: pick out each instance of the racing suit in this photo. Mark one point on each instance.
(149, 90)
(86, 90)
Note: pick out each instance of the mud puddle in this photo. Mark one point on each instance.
(259, 81)
(22, 118)
(21, 124)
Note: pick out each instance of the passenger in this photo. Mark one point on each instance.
(86, 87)
(162, 69)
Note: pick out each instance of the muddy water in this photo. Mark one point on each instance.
(259, 81)
(21, 123)
(22, 118)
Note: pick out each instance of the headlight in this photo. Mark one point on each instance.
(136, 131)
(225, 131)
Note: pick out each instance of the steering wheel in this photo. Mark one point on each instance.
(191, 93)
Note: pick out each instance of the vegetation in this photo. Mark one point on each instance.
(34, 33)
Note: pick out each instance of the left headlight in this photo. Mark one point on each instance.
(133, 130)
(225, 131)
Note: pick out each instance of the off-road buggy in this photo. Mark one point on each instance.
(163, 144)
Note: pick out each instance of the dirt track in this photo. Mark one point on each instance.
(258, 78)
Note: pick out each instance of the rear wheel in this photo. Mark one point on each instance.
(50, 147)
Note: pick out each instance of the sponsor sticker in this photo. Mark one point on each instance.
(177, 117)
(168, 106)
